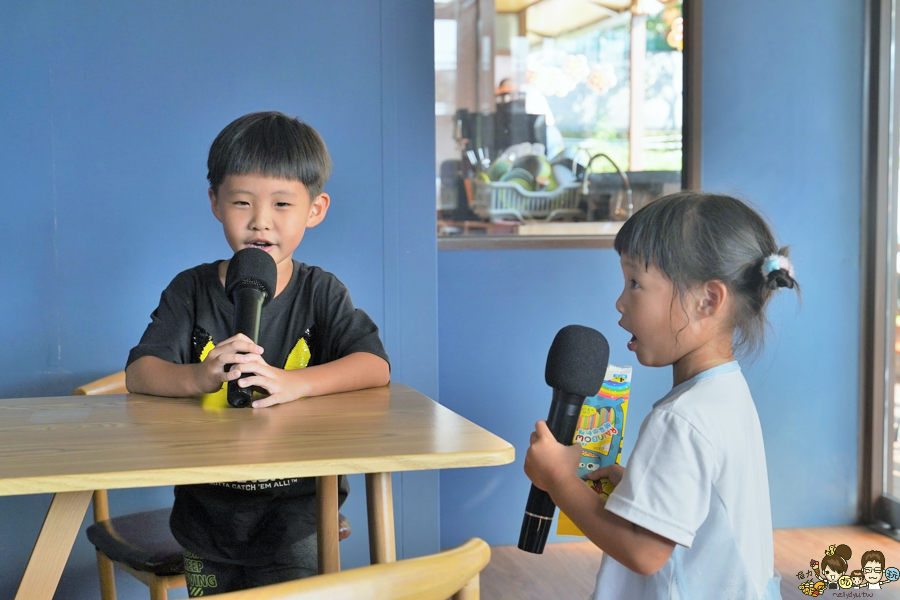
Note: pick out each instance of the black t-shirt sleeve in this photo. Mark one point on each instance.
(344, 328)
(169, 333)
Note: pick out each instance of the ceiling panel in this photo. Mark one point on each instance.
(514, 6)
(552, 18)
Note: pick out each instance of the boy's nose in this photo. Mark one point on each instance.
(620, 306)
(261, 220)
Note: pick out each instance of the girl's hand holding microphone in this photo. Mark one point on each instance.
(547, 461)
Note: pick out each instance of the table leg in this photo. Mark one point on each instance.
(382, 548)
(327, 529)
(54, 543)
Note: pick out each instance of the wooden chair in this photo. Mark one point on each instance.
(435, 577)
(139, 543)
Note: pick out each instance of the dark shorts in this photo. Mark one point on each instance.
(206, 577)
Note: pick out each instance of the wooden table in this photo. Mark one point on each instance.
(72, 445)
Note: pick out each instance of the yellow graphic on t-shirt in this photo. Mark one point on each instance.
(209, 346)
(297, 359)
(299, 356)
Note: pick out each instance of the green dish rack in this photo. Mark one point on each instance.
(501, 201)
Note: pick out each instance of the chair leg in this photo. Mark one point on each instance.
(107, 577)
(158, 590)
(470, 591)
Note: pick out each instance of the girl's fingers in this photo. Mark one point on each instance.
(612, 472)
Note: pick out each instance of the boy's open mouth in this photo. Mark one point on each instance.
(261, 244)
(632, 342)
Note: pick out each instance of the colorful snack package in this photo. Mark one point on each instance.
(600, 435)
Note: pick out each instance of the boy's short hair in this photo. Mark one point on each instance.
(271, 144)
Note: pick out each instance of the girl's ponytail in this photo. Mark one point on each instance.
(777, 270)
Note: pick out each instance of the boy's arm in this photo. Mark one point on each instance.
(158, 377)
(552, 467)
(352, 372)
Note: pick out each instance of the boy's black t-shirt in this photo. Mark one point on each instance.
(311, 322)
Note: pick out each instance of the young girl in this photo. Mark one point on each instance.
(690, 516)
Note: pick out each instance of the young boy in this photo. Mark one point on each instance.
(266, 175)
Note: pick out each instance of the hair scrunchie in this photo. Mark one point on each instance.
(777, 271)
(830, 551)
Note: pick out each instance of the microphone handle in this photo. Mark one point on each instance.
(248, 303)
(565, 409)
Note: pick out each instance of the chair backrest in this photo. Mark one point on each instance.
(111, 384)
(432, 577)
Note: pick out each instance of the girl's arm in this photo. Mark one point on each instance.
(552, 467)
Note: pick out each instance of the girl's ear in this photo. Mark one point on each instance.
(712, 298)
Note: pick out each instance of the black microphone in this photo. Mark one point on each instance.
(576, 366)
(249, 284)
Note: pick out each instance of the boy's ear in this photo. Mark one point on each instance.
(317, 209)
(215, 204)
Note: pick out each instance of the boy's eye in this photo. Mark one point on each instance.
(633, 284)
(282, 204)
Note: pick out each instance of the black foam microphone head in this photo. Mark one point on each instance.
(251, 267)
(577, 361)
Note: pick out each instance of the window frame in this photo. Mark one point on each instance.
(692, 11)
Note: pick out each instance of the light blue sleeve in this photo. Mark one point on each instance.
(668, 479)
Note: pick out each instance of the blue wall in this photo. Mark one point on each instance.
(107, 111)
(782, 127)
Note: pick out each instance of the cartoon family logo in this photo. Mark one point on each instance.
(833, 572)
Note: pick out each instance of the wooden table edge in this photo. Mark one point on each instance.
(192, 475)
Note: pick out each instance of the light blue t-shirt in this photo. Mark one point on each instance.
(697, 476)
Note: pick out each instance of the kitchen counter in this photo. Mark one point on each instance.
(599, 234)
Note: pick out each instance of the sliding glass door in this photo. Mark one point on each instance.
(880, 356)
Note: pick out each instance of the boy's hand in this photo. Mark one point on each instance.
(211, 373)
(280, 384)
(547, 461)
(612, 472)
